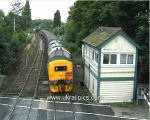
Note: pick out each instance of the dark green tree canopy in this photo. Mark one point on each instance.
(13, 42)
(131, 16)
(1, 18)
(26, 16)
(57, 19)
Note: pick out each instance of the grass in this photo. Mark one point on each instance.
(31, 44)
(125, 105)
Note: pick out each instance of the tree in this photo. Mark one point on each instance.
(26, 16)
(132, 17)
(57, 19)
(16, 7)
(4, 46)
(1, 18)
(42, 24)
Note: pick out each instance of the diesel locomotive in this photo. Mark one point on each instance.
(60, 67)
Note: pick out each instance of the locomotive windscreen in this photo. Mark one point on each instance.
(60, 68)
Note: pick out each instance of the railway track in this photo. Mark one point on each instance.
(33, 86)
(30, 84)
(62, 97)
(71, 102)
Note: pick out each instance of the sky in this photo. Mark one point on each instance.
(42, 9)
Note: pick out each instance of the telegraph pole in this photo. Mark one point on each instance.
(14, 24)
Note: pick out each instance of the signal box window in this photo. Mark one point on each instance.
(130, 59)
(113, 59)
(106, 59)
(126, 59)
(123, 59)
(96, 57)
(93, 55)
(110, 59)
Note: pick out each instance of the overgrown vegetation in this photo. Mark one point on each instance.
(125, 105)
(42, 24)
(14, 39)
(87, 16)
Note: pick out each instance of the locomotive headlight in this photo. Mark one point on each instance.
(60, 73)
(56, 68)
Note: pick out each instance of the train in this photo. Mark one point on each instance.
(59, 65)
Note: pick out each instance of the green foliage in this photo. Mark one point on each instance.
(42, 24)
(16, 7)
(8, 25)
(57, 19)
(11, 43)
(4, 50)
(15, 15)
(125, 105)
(26, 16)
(85, 17)
(28, 38)
(18, 42)
(1, 18)
(47, 24)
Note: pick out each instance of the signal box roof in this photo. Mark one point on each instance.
(102, 35)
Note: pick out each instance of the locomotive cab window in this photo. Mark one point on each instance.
(66, 54)
(59, 53)
(52, 55)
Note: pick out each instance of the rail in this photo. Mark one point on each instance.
(34, 64)
(37, 82)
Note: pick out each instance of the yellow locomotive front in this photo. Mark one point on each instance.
(60, 70)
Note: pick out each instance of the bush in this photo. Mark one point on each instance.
(28, 38)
